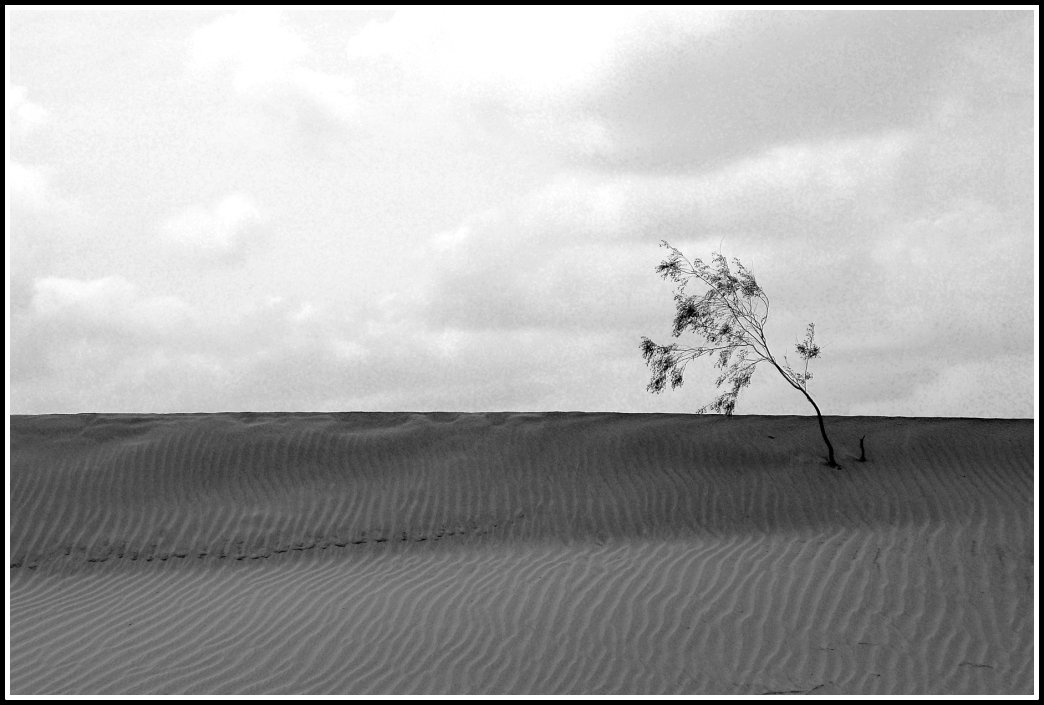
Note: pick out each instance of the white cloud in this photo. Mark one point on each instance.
(252, 45)
(24, 116)
(518, 54)
(825, 225)
(110, 306)
(41, 211)
(262, 60)
(882, 185)
(224, 231)
(1000, 387)
(668, 88)
(762, 198)
(579, 252)
(800, 180)
(529, 69)
(958, 279)
(46, 227)
(77, 337)
(521, 55)
(34, 196)
(29, 187)
(105, 344)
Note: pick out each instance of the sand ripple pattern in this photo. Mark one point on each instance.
(518, 553)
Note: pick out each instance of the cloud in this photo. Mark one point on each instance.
(253, 46)
(106, 344)
(578, 252)
(522, 56)
(525, 70)
(262, 62)
(669, 89)
(45, 230)
(877, 168)
(94, 344)
(29, 187)
(1000, 387)
(957, 282)
(807, 181)
(770, 78)
(73, 333)
(24, 116)
(43, 213)
(224, 232)
(106, 306)
(901, 290)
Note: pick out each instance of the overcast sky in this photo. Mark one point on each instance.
(460, 210)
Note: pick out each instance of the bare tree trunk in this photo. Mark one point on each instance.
(822, 429)
(819, 415)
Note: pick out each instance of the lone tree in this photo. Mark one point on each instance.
(730, 315)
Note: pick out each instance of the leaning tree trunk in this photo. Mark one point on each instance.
(822, 429)
(819, 415)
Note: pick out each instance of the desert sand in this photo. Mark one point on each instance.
(519, 553)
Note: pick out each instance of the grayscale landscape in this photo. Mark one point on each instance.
(512, 351)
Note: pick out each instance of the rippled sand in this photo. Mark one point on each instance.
(519, 553)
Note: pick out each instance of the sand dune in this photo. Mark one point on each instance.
(519, 553)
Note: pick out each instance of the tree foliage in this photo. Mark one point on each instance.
(729, 315)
